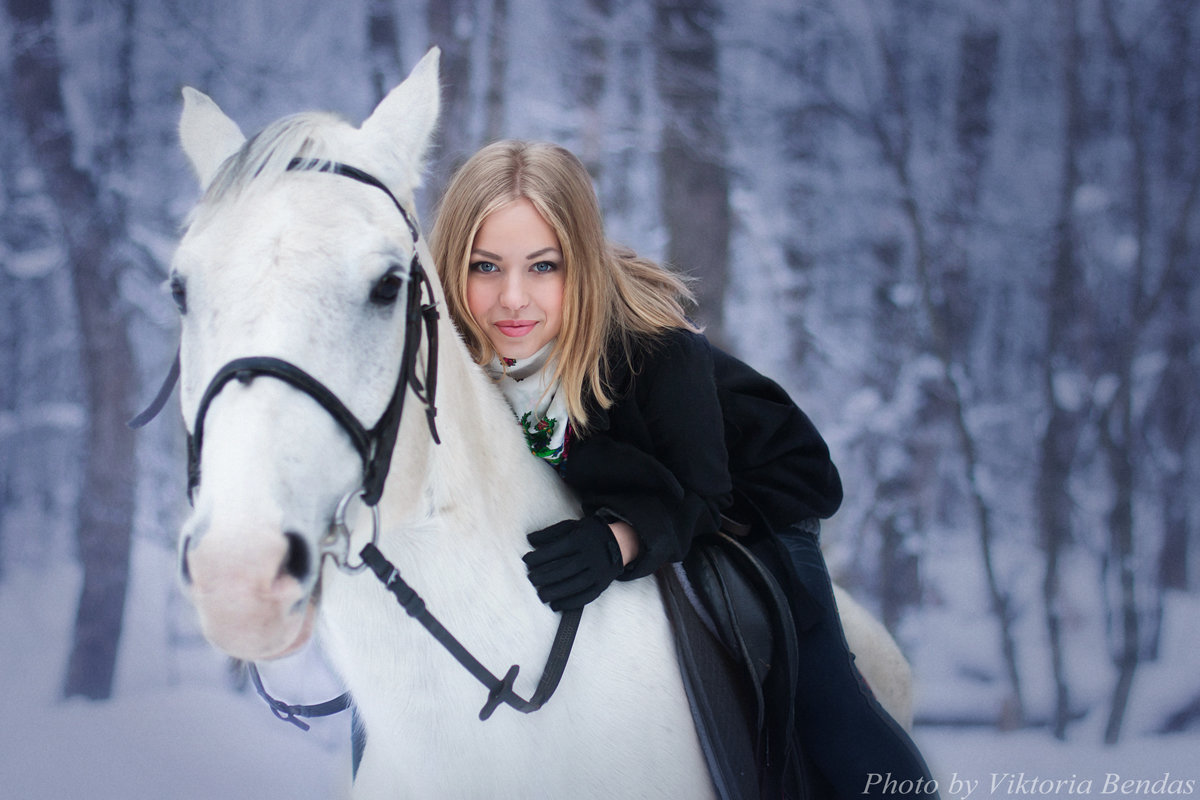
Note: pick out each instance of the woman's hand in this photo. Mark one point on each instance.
(574, 561)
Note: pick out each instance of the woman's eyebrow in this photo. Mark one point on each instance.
(475, 251)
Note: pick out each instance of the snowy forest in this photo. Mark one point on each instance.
(964, 234)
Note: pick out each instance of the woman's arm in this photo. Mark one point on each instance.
(660, 465)
(652, 479)
(627, 540)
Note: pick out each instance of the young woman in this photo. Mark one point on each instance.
(659, 433)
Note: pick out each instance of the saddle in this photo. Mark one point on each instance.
(736, 643)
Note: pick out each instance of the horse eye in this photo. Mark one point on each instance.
(387, 290)
(179, 293)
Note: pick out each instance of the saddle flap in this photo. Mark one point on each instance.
(737, 612)
(747, 607)
(732, 596)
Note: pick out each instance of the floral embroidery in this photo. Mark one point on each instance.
(539, 434)
(529, 387)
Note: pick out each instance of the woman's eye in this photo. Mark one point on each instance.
(544, 266)
(179, 293)
(387, 290)
(485, 267)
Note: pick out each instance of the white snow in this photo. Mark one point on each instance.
(176, 729)
(180, 733)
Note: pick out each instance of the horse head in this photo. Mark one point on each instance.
(295, 290)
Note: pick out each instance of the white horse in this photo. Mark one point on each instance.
(310, 268)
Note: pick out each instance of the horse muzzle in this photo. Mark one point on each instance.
(255, 593)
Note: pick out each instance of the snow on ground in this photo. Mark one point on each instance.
(181, 744)
(176, 729)
(984, 764)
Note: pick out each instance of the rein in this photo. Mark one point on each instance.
(500, 690)
(375, 446)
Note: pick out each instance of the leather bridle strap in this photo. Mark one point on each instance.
(293, 713)
(245, 370)
(354, 173)
(500, 690)
(160, 399)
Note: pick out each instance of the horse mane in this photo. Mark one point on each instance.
(264, 157)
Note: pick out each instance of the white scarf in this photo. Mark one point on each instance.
(537, 404)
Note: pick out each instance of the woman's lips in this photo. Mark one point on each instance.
(516, 328)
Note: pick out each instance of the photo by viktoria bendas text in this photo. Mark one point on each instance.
(1005, 784)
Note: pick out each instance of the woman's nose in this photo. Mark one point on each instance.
(512, 293)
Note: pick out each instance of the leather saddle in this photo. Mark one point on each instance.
(736, 643)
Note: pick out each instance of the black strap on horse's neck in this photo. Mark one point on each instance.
(500, 690)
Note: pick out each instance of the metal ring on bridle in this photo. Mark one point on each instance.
(336, 543)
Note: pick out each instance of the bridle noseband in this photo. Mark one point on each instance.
(374, 446)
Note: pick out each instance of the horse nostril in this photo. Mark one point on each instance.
(296, 563)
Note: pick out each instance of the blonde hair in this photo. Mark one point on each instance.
(610, 295)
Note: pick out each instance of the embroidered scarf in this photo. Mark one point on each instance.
(539, 409)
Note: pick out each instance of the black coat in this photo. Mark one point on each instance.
(694, 434)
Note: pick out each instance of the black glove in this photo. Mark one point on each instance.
(573, 561)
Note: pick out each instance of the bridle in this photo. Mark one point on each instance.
(375, 446)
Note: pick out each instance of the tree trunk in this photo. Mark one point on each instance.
(892, 129)
(1177, 419)
(1063, 348)
(1053, 509)
(92, 225)
(590, 23)
(1120, 523)
(450, 23)
(897, 481)
(1124, 420)
(978, 58)
(899, 579)
(1117, 423)
(383, 48)
(494, 99)
(695, 186)
(1178, 424)
(1175, 554)
(8, 400)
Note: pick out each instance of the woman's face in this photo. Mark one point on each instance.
(515, 280)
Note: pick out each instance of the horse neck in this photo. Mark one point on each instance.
(482, 476)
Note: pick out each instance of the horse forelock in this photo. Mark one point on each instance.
(266, 156)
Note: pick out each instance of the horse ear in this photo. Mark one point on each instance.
(207, 135)
(402, 125)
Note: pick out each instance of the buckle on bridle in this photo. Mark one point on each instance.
(336, 542)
